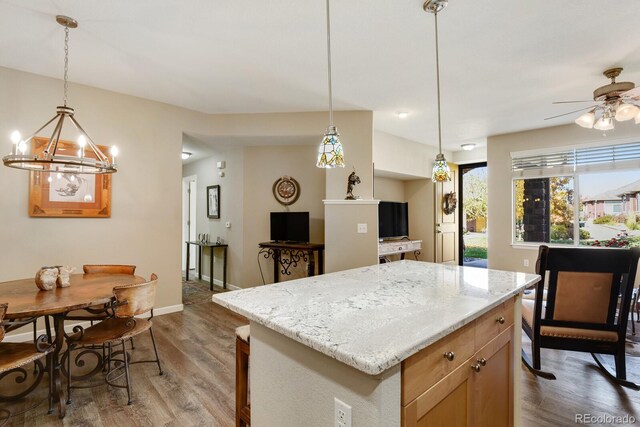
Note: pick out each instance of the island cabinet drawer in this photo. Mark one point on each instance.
(493, 323)
(430, 365)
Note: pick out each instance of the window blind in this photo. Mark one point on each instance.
(577, 160)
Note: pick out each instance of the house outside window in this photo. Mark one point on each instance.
(567, 198)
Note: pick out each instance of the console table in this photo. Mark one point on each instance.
(213, 246)
(399, 247)
(297, 253)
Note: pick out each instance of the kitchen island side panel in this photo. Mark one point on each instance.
(294, 385)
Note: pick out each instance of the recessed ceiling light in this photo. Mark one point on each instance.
(468, 147)
(185, 155)
(402, 114)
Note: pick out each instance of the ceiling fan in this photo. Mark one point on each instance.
(616, 100)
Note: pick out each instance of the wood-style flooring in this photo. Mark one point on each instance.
(197, 349)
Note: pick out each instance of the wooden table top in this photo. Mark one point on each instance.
(26, 300)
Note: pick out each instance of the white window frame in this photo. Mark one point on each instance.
(619, 166)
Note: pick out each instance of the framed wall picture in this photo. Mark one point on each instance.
(68, 195)
(213, 201)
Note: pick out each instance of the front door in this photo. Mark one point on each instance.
(472, 214)
(446, 239)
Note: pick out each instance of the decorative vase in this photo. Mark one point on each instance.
(46, 278)
(63, 276)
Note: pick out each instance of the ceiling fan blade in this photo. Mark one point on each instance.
(570, 112)
(570, 102)
(631, 94)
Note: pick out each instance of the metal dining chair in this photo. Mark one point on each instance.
(13, 358)
(130, 301)
(97, 313)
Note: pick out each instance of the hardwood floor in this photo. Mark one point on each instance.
(197, 351)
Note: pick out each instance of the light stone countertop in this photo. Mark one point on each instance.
(372, 318)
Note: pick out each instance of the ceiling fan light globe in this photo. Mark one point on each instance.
(638, 118)
(586, 120)
(626, 112)
(604, 123)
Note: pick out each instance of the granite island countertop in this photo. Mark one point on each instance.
(373, 318)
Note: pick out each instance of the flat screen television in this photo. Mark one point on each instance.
(393, 220)
(290, 226)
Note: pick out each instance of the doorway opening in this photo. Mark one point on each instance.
(473, 216)
(189, 185)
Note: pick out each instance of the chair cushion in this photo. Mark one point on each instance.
(14, 355)
(555, 331)
(243, 333)
(110, 330)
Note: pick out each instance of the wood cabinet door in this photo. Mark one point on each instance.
(446, 404)
(493, 384)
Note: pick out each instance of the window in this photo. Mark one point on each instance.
(545, 210)
(562, 199)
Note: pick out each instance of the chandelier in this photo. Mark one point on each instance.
(330, 153)
(88, 158)
(441, 171)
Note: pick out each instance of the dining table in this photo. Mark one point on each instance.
(26, 301)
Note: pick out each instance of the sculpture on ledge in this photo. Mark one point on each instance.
(351, 182)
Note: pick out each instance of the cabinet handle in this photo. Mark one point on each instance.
(500, 320)
(482, 361)
(450, 355)
(476, 368)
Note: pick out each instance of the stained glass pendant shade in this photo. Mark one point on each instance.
(330, 154)
(441, 171)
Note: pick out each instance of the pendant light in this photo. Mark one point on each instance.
(441, 171)
(56, 158)
(330, 153)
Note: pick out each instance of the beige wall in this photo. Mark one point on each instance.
(419, 194)
(345, 247)
(294, 385)
(389, 189)
(231, 210)
(462, 157)
(262, 167)
(144, 228)
(501, 254)
(401, 156)
(356, 134)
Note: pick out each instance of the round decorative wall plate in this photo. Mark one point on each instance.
(286, 190)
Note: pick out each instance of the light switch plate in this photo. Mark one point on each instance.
(362, 228)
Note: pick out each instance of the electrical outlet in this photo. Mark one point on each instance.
(362, 228)
(342, 413)
(525, 263)
(227, 224)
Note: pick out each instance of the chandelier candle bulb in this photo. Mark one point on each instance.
(114, 153)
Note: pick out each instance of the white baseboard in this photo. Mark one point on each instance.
(28, 336)
(205, 278)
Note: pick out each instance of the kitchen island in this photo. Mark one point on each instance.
(404, 343)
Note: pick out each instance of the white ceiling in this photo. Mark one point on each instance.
(503, 61)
